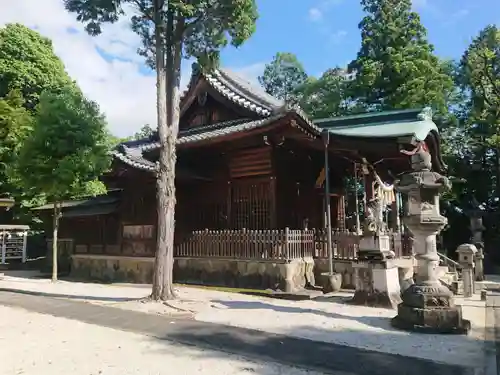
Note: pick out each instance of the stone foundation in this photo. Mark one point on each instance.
(287, 277)
(112, 268)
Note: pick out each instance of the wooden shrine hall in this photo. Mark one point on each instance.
(250, 191)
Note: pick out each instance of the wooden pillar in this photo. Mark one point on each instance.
(272, 192)
(369, 188)
(329, 246)
(396, 222)
(341, 212)
(228, 205)
(356, 200)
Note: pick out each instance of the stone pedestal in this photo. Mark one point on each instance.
(377, 284)
(377, 277)
(428, 305)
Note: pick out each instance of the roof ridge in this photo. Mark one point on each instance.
(214, 80)
(235, 88)
(248, 87)
(368, 115)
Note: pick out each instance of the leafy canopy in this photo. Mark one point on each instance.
(67, 150)
(203, 26)
(145, 132)
(28, 64)
(326, 96)
(481, 76)
(395, 66)
(282, 76)
(15, 124)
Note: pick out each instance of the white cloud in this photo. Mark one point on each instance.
(315, 14)
(124, 92)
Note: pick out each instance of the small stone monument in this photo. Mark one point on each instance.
(479, 262)
(466, 256)
(427, 305)
(477, 228)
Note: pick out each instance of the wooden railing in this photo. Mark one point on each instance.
(282, 244)
(345, 245)
(248, 244)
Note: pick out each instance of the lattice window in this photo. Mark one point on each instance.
(251, 204)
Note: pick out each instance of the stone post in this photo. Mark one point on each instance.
(476, 226)
(466, 254)
(479, 262)
(427, 305)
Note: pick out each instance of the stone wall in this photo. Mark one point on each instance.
(222, 272)
(112, 268)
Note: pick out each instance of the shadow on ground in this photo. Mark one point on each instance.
(218, 340)
(373, 321)
(70, 296)
(326, 358)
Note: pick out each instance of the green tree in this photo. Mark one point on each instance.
(144, 132)
(282, 76)
(15, 124)
(28, 64)
(395, 66)
(65, 153)
(171, 30)
(480, 77)
(326, 96)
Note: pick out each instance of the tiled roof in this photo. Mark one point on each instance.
(131, 152)
(241, 92)
(238, 90)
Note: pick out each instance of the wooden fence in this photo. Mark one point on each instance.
(276, 244)
(346, 245)
(248, 244)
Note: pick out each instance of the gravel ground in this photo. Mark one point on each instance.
(328, 321)
(36, 344)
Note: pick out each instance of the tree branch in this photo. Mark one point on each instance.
(143, 10)
(485, 59)
(202, 15)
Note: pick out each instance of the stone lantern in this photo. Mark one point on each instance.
(427, 304)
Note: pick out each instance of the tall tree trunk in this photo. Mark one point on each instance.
(168, 95)
(55, 230)
(497, 172)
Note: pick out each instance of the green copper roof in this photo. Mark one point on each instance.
(390, 124)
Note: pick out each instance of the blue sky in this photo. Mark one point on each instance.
(324, 33)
